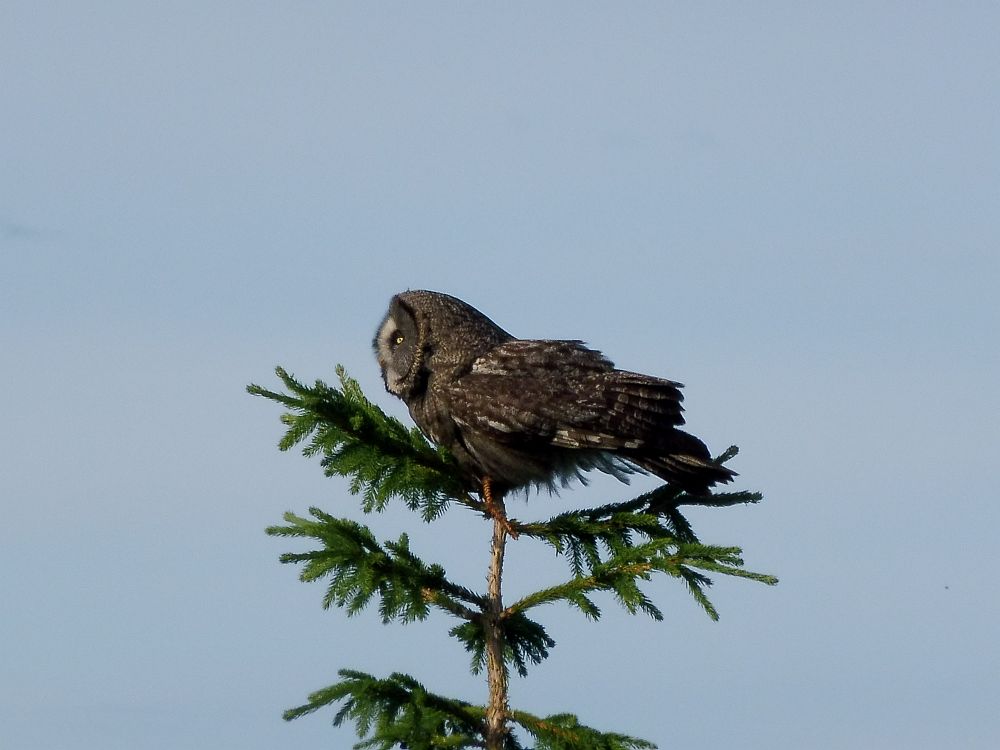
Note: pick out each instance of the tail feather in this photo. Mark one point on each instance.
(682, 460)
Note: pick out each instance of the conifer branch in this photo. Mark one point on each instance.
(618, 576)
(654, 514)
(628, 565)
(359, 568)
(357, 439)
(396, 711)
(565, 732)
(611, 546)
(524, 641)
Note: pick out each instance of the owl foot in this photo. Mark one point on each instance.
(495, 509)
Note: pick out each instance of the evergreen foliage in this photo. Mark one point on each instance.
(612, 548)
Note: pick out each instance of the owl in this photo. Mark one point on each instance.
(517, 413)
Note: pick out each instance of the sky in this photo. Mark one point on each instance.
(793, 209)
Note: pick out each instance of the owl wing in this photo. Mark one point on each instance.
(563, 394)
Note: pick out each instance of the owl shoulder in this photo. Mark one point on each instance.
(531, 356)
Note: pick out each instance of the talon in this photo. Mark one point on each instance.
(495, 509)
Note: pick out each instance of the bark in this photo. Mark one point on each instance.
(496, 669)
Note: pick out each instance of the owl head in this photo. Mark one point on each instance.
(426, 334)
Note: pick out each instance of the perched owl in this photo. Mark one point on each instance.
(520, 412)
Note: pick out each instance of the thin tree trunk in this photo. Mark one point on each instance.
(496, 670)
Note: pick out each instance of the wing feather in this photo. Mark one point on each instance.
(564, 393)
(533, 396)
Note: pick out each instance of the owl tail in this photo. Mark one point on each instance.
(684, 461)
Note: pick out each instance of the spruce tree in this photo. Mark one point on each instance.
(612, 548)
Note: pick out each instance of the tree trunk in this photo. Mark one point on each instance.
(496, 670)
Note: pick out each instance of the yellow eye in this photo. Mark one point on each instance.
(399, 340)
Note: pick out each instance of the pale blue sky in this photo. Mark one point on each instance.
(795, 210)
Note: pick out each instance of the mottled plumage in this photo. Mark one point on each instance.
(531, 412)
